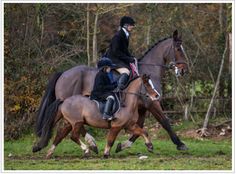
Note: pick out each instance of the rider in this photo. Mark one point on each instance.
(104, 84)
(118, 50)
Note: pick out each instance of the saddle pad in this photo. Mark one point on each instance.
(116, 105)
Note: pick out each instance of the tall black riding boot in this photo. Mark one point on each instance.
(108, 109)
(123, 81)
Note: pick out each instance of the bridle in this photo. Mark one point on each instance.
(174, 60)
(140, 94)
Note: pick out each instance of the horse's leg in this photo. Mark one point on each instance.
(132, 139)
(76, 134)
(61, 134)
(111, 136)
(136, 130)
(157, 111)
(89, 139)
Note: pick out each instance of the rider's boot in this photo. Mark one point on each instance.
(108, 109)
(123, 81)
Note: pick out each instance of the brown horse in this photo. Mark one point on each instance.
(79, 110)
(79, 80)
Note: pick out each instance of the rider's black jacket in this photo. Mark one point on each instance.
(103, 86)
(118, 50)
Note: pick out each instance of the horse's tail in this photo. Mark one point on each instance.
(47, 125)
(48, 98)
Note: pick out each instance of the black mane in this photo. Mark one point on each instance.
(159, 41)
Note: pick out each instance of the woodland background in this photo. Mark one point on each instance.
(42, 38)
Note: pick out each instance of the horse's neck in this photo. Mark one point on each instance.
(131, 99)
(155, 57)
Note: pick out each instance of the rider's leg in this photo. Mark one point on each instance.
(123, 78)
(108, 108)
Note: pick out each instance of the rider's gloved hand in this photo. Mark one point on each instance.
(131, 60)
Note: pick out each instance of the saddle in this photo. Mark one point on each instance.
(116, 105)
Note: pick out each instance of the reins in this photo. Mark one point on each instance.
(140, 94)
(132, 93)
(150, 64)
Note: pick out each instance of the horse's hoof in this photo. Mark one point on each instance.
(118, 147)
(86, 155)
(49, 155)
(94, 149)
(149, 147)
(105, 156)
(36, 149)
(182, 147)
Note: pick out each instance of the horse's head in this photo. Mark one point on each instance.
(177, 56)
(151, 92)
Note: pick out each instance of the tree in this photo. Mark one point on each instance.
(203, 131)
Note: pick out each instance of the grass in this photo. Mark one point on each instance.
(202, 155)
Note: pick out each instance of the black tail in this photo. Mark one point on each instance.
(48, 98)
(48, 122)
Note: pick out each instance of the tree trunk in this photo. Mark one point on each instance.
(42, 32)
(230, 66)
(88, 36)
(221, 18)
(203, 131)
(186, 112)
(95, 38)
(230, 52)
(216, 87)
(148, 30)
(222, 22)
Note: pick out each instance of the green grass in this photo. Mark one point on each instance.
(202, 155)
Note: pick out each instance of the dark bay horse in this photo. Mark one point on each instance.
(79, 110)
(79, 80)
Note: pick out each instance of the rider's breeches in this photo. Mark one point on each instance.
(123, 70)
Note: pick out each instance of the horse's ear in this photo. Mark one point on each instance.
(145, 76)
(175, 35)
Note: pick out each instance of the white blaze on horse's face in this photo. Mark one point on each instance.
(157, 96)
(177, 71)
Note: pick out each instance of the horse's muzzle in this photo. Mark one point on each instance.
(180, 71)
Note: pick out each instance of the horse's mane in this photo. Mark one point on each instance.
(131, 81)
(159, 41)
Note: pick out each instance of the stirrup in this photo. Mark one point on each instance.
(105, 116)
(111, 118)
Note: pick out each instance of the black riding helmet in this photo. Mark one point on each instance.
(105, 62)
(126, 20)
